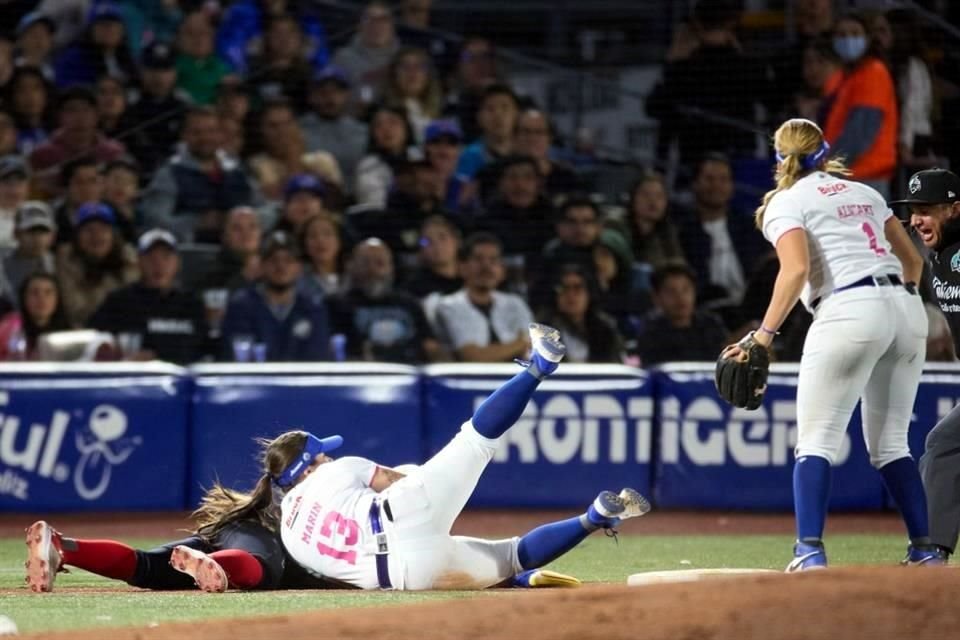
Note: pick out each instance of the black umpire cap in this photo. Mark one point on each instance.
(932, 186)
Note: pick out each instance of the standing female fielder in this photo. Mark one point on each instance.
(844, 254)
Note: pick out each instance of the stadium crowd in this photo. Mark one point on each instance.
(218, 181)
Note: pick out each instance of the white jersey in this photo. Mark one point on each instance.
(844, 223)
(325, 522)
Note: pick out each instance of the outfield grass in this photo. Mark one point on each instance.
(76, 603)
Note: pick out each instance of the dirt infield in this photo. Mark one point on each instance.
(476, 523)
(853, 604)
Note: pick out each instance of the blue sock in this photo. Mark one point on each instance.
(505, 405)
(811, 494)
(550, 541)
(903, 482)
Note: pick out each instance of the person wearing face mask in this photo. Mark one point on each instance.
(934, 206)
(860, 117)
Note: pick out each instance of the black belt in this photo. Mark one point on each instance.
(383, 566)
(891, 280)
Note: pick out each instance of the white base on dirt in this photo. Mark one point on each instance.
(690, 575)
(7, 626)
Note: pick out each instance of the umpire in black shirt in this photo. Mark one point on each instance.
(934, 203)
(171, 321)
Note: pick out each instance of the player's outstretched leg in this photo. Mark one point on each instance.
(811, 495)
(205, 571)
(505, 405)
(550, 541)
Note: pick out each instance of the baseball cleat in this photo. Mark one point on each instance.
(543, 579)
(548, 349)
(924, 556)
(204, 570)
(610, 508)
(43, 556)
(807, 557)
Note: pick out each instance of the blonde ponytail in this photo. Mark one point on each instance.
(795, 140)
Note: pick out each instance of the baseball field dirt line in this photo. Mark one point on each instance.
(477, 522)
(852, 603)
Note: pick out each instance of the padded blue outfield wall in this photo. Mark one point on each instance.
(151, 436)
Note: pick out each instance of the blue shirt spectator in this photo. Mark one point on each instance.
(103, 51)
(292, 324)
(243, 26)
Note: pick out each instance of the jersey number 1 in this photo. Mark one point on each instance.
(874, 241)
(335, 523)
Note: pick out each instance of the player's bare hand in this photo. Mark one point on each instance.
(734, 352)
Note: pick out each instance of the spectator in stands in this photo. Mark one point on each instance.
(233, 99)
(111, 106)
(442, 148)
(238, 263)
(703, 62)
(77, 135)
(35, 230)
(721, 245)
(303, 198)
(241, 33)
(793, 331)
(94, 264)
(282, 71)
(519, 213)
(897, 37)
(813, 22)
(413, 30)
(612, 262)
(476, 71)
(328, 126)
(497, 116)
(589, 334)
(83, 183)
(534, 138)
(820, 62)
(438, 270)
(861, 119)
(388, 147)
(158, 115)
(293, 324)
(199, 68)
(380, 323)
(171, 322)
(322, 244)
(8, 133)
(121, 190)
(233, 138)
(103, 49)
(412, 83)
(41, 311)
(14, 190)
(653, 234)
(676, 331)
(479, 323)
(577, 225)
(193, 191)
(29, 95)
(366, 58)
(285, 153)
(35, 43)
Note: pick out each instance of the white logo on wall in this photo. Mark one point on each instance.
(101, 445)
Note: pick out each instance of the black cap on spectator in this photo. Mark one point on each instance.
(279, 241)
(92, 211)
(159, 56)
(332, 73)
(77, 92)
(125, 162)
(14, 166)
(154, 237)
(35, 17)
(35, 214)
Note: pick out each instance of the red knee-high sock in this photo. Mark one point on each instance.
(107, 558)
(243, 569)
